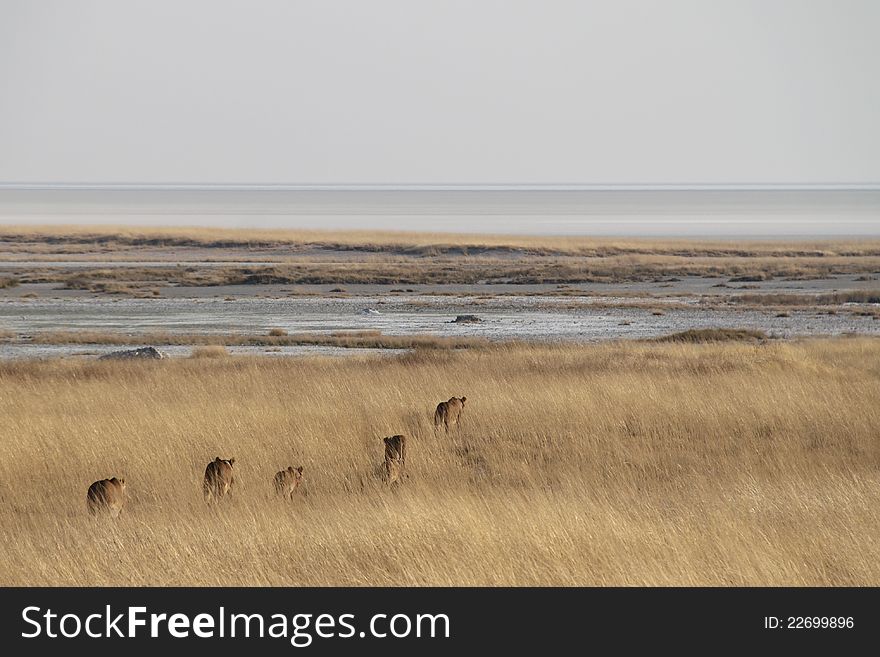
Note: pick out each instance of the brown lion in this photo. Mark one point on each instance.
(106, 495)
(449, 412)
(287, 481)
(219, 478)
(395, 458)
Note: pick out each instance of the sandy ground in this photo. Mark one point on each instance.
(585, 312)
(503, 318)
(687, 286)
(10, 351)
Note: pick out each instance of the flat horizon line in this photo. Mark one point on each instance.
(440, 187)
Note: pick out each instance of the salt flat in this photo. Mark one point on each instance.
(530, 318)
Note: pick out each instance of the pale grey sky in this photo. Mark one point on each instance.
(440, 91)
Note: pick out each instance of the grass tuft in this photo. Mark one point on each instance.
(210, 351)
(715, 335)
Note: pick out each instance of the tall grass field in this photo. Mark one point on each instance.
(611, 464)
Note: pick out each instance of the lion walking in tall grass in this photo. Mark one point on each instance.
(449, 412)
(106, 495)
(219, 479)
(395, 458)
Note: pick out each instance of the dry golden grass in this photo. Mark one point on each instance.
(86, 236)
(210, 351)
(648, 463)
(716, 335)
(826, 299)
(368, 339)
(315, 257)
(522, 269)
(78, 282)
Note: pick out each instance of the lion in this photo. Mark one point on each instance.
(395, 458)
(219, 478)
(106, 495)
(287, 481)
(449, 412)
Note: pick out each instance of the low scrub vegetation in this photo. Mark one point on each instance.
(823, 299)
(361, 339)
(210, 351)
(401, 259)
(715, 335)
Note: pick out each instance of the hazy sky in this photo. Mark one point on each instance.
(440, 91)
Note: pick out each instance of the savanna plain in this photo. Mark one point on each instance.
(633, 463)
(723, 443)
